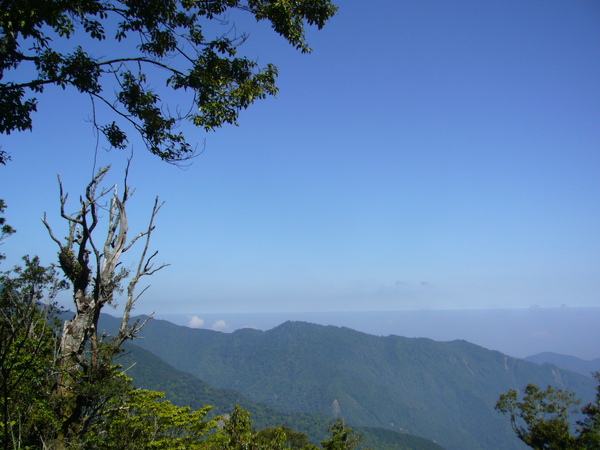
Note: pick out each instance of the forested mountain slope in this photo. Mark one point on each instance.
(443, 391)
(150, 372)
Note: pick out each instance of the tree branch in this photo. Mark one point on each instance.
(145, 268)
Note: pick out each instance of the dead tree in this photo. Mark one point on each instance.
(91, 261)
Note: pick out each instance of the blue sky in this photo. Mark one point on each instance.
(427, 155)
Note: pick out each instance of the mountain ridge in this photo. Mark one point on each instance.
(443, 391)
(567, 362)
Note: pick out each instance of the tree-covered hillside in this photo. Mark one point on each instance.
(150, 372)
(443, 391)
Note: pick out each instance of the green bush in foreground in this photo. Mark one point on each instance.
(542, 418)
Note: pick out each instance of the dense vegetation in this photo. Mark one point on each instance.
(542, 419)
(182, 388)
(443, 391)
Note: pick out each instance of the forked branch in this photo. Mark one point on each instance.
(94, 270)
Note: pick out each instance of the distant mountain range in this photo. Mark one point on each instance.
(442, 391)
(566, 362)
(518, 332)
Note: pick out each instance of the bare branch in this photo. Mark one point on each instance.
(63, 201)
(144, 269)
(140, 60)
(90, 257)
(49, 228)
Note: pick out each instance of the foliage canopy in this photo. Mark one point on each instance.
(542, 419)
(342, 437)
(28, 359)
(5, 229)
(168, 40)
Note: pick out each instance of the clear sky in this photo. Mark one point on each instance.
(427, 155)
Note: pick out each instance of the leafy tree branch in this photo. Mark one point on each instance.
(542, 418)
(168, 40)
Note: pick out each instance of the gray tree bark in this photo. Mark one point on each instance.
(96, 277)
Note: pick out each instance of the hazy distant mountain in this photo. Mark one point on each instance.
(516, 332)
(566, 362)
(443, 391)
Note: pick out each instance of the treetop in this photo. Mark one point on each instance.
(169, 42)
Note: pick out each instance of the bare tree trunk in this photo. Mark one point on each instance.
(95, 276)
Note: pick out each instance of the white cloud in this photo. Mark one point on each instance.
(196, 322)
(219, 325)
